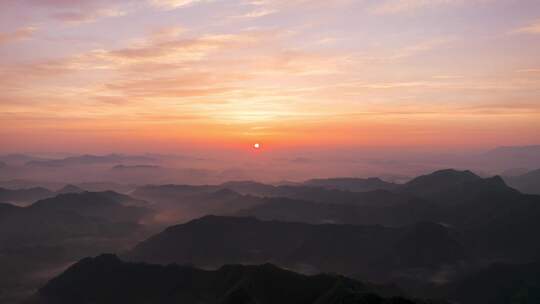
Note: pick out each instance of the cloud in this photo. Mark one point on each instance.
(179, 49)
(161, 52)
(167, 33)
(263, 8)
(401, 53)
(404, 6)
(531, 28)
(78, 11)
(82, 16)
(258, 13)
(17, 35)
(62, 3)
(532, 71)
(174, 4)
(421, 47)
(165, 65)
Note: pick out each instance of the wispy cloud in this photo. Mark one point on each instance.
(79, 11)
(404, 6)
(389, 55)
(82, 16)
(64, 3)
(422, 47)
(17, 35)
(174, 4)
(531, 28)
(530, 71)
(258, 13)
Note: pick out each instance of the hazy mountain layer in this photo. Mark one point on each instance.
(372, 251)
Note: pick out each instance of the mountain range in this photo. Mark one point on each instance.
(38, 240)
(352, 184)
(24, 196)
(106, 280)
(370, 251)
(70, 215)
(435, 235)
(493, 220)
(89, 160)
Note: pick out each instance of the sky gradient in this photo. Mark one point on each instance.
(166, 75)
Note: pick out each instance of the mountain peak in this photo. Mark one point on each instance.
(70, 188)
(438, 181)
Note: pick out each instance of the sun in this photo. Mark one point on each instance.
(257, 145)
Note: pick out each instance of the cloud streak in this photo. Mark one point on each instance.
(82, 16)
(531, 28)
(17, 35)
(174, 4)
(407, 6)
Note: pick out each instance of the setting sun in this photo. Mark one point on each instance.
(257, 146)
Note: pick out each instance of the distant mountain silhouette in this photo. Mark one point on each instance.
(291, 203)
(437, 182)
(183, 202)
(171, 193)
(291, 210)
(89, 160)
(106, 279)
(526, 183)
(458, 198)
(493, 219)
(70, 189)
(373, 251)
(24, 195)
(20, 226)
(70, 215)
(250, 187)
(443, 196)
(135, 167)
(15, 184)
(30, 195)
(352, 184)
(317, 194)
(18, 159)
(107, 186)
(458, 187)
(393, 214)
(38, 240)
(107, 205)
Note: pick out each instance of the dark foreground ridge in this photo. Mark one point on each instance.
(106, 279)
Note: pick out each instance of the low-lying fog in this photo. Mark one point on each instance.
(260, 165)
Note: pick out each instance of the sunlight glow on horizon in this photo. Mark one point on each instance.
(303, 73)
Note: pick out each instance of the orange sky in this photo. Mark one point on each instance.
(163, 75)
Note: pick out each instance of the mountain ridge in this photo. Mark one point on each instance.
(106, 279)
